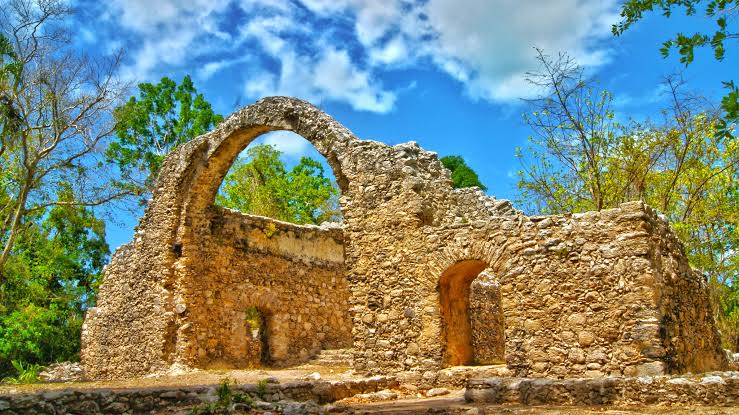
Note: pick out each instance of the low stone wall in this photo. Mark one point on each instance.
(108, 401)
(718, 388)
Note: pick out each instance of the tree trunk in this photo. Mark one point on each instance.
(18, 214)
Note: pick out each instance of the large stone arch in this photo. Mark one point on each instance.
(137, 326)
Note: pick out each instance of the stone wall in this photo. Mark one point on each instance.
(486, 321)
(720, 388)
(685, 323)
(169, 399)
(294, 275)
(580, 294)
(590, 294)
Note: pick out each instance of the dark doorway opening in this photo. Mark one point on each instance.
(258, 331)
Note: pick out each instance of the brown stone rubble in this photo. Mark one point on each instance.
(715, 390)
(721, 388)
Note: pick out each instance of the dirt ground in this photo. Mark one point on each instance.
(199, 377)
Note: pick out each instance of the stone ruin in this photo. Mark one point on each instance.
(419, 277)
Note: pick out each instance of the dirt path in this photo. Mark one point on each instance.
(200, 377)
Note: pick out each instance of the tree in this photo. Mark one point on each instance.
(164, 116)
(462, 174)
(723, 12)
(260, 184)
(55, 107)
(573, 125)
(52, 278)
(581, 159)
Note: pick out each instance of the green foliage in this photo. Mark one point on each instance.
(51, 279)
(38, 335)
(26, 373)
(253, 318)
(262, 387)
(226, 399)
(260, 184)
(462, 174)
(721, 11)
(579, 159)
(164, 116)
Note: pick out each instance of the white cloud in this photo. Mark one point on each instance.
(487, 45)
(393, 52)
(339, 79)
(331, 77)
(210, 68)
(167, 30)
(375, 18)
(288, 143)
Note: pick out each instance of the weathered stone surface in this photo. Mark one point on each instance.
(589, 294)
(718, 389)
(294, 394)
(63, 372)
(437, 392)
(487, 321)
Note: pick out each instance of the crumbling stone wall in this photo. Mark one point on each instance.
(686, 321)
(581, 294)
(294, 275)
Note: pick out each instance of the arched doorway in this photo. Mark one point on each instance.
(472, 318)
(286, 298)
(454, 298)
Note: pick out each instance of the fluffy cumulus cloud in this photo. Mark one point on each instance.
(488, 45)
(342, 50)
(163, 32)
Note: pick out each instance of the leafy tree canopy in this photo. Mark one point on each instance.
(55, 117)
(462, 174)
(723, 12)
(260, 184)
(165, 115)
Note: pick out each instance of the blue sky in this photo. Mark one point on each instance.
(448, 74)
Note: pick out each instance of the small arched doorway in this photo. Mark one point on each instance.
(472, 325)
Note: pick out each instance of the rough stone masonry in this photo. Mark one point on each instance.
(419, 276)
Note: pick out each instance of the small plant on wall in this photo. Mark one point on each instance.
(253, 319)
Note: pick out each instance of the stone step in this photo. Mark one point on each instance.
(333, 357)
(335, 353)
